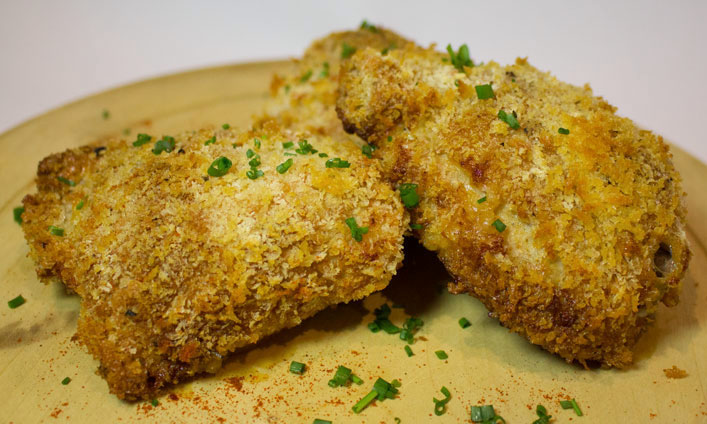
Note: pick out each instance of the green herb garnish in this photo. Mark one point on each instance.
(571, 404)
(482, 200)
(79, 205)
(543, 418)
(499, 225)
(485, 415)
(142, 139)
(105, 114)
(347, 51)
(325, 70)
(461, 58)
(415, 226)
(284, 166)
(164, 145)
(154, 402)
(212, 140)
(56, 231)
(323, 155)
(408, 195)
(66, 181)
(219, 167)
(254, 173)
(305, 148)
(66, 381)
(367, 150)
(256, 142)
(363, 403)
(464, 323)
(385, 51)
(408, 351)
(341, 377)
(337, 163)
(288, 145)
(369, 27)
(297, 367)
(509, 118)
(564, 131)
(306, 76)
(226, 126)
(356, 231)
(320, 421)
(441, 404)
(484, 92)
(441, 354)
(16, 302)
(17, 214)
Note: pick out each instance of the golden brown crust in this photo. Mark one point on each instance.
(595, 219)
(176, 268)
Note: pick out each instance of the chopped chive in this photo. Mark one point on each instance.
(219, 167)
(397, 420)
(347, 51)
(369, 27)
(17, 214)
(66, 181)
(408, 350)
(441, 405)
(289, 154)
(305, 148)
(460, 59)
(16, 302)
(564, 131)
(254, 173)
(154, 402)
(484, 91)
(325, 70)
(319, 421)
(367, 150)
(226, 126)
(464, 323)
(374, 327)
(485, 415)
(66, 381)
(441, 354)
(341, 377)
(212, 140)
(284, 166)
(416, 226)
(250, 153)
(356, 380)
(323, 155)
(306, 76)
(363, 403)
(543, 418)
(390, 138)
(482, 200)
(56, 231)
(390, 47)
(79, 205)
(509, 118)
(408, 195)
(142, 139)
(356, 232)
(254, 162)
(499, 225)
(337, 163)
(105, 114)
(256, 142)
(287, 144)
(571, 404)
(164, 145)
(388, 326)
(296, 367)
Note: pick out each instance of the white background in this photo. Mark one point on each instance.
(647, 58)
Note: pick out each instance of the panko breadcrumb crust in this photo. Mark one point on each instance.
(595, 219)
(176, 268)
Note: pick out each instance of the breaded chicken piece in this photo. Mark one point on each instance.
(305, 99)
(571, 240)
(177, 265)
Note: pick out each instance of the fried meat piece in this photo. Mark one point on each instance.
(305, 99)
(564, 219)
(178, 265)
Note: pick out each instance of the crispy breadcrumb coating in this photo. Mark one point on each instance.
(176, 268)
(305, 100)
(595, 219)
